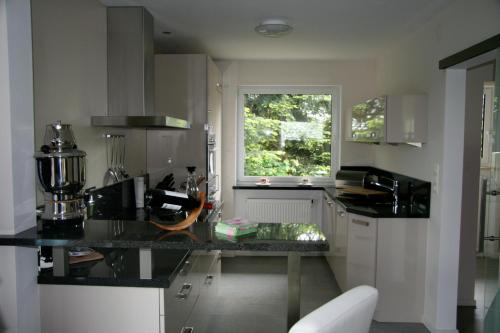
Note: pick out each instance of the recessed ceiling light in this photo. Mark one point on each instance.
(273, 28)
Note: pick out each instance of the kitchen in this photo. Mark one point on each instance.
(82, 63)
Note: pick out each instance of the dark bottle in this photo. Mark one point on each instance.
(156, 198)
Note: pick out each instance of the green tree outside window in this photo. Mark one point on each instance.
(288, 135)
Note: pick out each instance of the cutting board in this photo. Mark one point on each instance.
(359, 191)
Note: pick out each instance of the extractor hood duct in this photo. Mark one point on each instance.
(131, 72)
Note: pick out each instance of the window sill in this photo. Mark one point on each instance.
(281, 187)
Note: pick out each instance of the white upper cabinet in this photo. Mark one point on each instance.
(406, 119)
(214, 88)
(390, 119)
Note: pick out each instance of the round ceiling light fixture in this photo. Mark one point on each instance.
(273, 28)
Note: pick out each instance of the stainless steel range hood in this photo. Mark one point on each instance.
(131, 73)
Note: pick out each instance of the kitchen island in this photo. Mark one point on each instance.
(155, 258)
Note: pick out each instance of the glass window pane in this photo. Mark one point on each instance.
(288, 135)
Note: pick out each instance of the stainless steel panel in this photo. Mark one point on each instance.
(131, 76)
(149, 63)
(126, 61)
(145, 264)
(293, 315)
(61, 261)
(140, 121)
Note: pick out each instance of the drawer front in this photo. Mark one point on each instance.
(206, 305)
(361, 251)
(182, 296)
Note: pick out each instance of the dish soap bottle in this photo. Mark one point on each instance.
(191, 185)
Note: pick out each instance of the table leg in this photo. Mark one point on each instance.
(293, 315)
(145, 264)
(60, 260)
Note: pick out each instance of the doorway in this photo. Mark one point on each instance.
(480, 215)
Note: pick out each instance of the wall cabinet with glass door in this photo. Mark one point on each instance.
(390, 119)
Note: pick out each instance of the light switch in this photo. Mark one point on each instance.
(435, 179)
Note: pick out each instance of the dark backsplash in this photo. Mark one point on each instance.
(412, 191)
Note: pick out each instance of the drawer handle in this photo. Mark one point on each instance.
(187, 330)
(184, 291)
(362, 223)
(209, 279)
(185, 270)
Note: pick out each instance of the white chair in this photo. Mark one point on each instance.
(351, 312)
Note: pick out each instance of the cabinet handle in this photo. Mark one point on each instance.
(185, 270)
(362, 223)
(187, 330)
(209, 279)
(185, 290)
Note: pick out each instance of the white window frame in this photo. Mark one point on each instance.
(334, 90)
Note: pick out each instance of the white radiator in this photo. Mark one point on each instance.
(279, 210)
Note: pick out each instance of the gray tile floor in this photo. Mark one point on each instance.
(470, 319)
(253, 295)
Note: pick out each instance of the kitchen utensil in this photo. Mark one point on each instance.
(123, 172)
(114, 154)
(167, 183)
(115, 158)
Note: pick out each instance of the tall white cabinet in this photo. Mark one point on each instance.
(187, 86)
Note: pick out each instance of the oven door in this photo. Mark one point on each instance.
(211, 162)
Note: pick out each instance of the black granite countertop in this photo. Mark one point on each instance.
(365, 207)
(118, 231)
(199, 236)
(120, 267)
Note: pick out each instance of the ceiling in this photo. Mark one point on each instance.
(323, 29)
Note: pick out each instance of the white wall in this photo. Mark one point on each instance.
(412, 66)
(356, 77)
(19, 305)
(70, 80)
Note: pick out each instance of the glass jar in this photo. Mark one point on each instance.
(191, 182)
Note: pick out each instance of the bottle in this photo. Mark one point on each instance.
(191, 185)
(162, 199)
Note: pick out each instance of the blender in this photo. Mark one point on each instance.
(60, 169)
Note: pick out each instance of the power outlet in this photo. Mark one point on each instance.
(435, 179)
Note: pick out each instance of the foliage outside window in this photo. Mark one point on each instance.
(287, 133)
(368, 119)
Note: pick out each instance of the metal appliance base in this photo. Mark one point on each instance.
(293, 267)
(64, 210)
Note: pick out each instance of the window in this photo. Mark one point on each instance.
(288, 133)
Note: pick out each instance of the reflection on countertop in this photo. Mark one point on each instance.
(201, 235)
